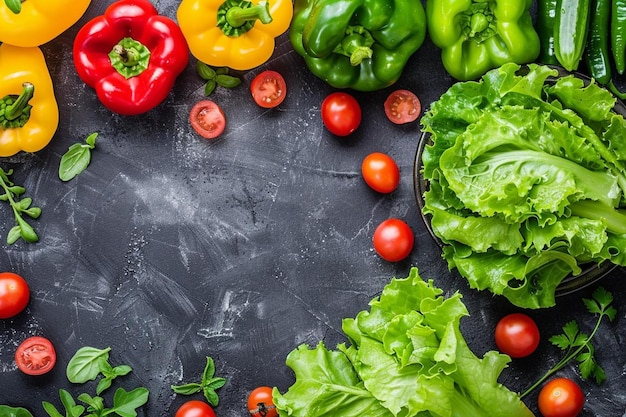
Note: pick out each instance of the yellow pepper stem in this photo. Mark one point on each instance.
(236, 17)
(14, 5)
(15, 110)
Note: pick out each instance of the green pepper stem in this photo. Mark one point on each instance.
(478, 23)
(16, 109)
(238, 16)
(357, 45)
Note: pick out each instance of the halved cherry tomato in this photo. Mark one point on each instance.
(195, 408)
(517, 335)
(207, 119)
(268, 89)
(393, 240)
(341, 113)
(561, 397)
(380, 172)
(35, 356)
(402, 106)
(14, 294)
(261, 404)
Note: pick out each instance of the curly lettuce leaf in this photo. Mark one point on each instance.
(531, 186)
(407, 357)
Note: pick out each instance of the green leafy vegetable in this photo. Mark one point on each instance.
(19, 206)
(216, 77)
(208, 385)
(77, 158)
(6, 411)
(86, 365)
(89, 362)
(577, 345)
(406, 357)
(14, 5)
(527, 177)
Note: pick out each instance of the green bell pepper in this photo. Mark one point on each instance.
(359, 44)
(478, 35)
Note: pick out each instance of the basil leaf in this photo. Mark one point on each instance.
(187, 389)
(205, 71)
(125, 403)
(6, 411)
(227, 81)
(77, 158)
(86, 364)
(74, 161)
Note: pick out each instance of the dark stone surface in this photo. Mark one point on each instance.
(170, 248)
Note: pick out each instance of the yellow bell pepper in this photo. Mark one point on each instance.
(36, 22)
(238, 34)
(29, 114)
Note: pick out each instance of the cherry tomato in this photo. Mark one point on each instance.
(341, 113)
(261, 404)
(561, 397)
(195, 408)
(517, 335)
(380, 172)
(14, 294)
(268, 89)
(207, 119)
(393, 240)
(402, 106)
(35, 356)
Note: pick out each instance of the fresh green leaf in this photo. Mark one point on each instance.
(209, 87)
(526, 180)
(407, 356)
(6, 411)
(86, 364)
(50, 409)
(227, 81)
(187, 389)
(206, 72)
(208, 384)
(11, 195)
(577, 345)
(77, 158)
(126, 403)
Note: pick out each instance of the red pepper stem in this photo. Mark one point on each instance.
(16, 109)
(238, 16)
(128, 56)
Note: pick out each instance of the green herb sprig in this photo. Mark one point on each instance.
(208, 385)
(14, 5)
(77, 158)
(216, 77)
(22, 206)
(577, 345)
(86, 365)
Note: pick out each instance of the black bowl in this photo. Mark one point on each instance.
(591, 272)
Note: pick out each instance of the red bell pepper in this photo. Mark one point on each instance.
(131, 56)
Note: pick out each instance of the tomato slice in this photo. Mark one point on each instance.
(35, 356)
(207, 119)
(268, 89)
(402, 106)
